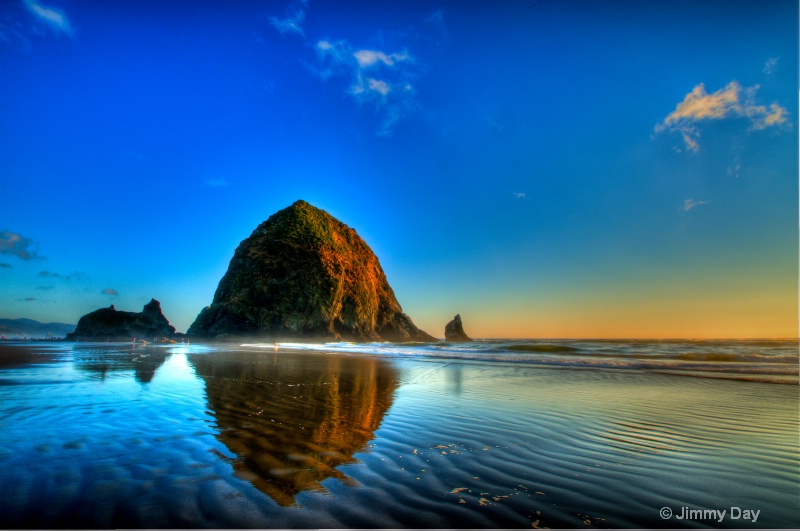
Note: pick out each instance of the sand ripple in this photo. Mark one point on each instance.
(232, 439)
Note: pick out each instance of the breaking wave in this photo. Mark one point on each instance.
(773, 361)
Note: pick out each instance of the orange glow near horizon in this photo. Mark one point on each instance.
(655, 314)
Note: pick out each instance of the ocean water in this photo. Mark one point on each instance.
(493, 434)
(774, 361)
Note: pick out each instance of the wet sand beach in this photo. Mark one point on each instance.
(112, 435)
(13, 355)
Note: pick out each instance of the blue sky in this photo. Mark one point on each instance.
(545, 169)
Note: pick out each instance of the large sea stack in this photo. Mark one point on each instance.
(304, 274)
(110, 323)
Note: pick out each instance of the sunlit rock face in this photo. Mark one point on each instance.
(291, 419)
(110, 323)
(304, 274)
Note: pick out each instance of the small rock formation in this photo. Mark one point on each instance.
(108, 323)
(304, 274)
(454, 331)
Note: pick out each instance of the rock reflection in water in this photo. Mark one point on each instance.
(102, 361)
(291, 418)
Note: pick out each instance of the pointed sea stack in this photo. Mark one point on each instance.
(303, 274)
(109, 323)
(454, 331)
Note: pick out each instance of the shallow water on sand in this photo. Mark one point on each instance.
(108, 435)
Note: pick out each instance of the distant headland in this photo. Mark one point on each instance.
(29, 329)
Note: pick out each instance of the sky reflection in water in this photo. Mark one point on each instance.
(110, 435)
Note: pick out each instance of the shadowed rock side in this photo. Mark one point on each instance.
(109, 323)
(454, 331)
(292, 423)
(304, 274)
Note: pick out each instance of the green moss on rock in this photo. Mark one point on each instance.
(304, 274)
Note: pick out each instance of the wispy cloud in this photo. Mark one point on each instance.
(735, 167)
(435, 22)
(77, 275)
(436, 18)
(295, 14)
(53, 17)
(519, 195)
(377, 78)
(18, 245)
(368, 58)
(216, 183)
(770, 65)
(691, 203)
(494, 124)
(733, 101)
(110, 292)
(381, 79)
(13, 34)
(335, 56)
(4, 265)
(44, 287)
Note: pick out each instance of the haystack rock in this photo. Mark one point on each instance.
(109, 323)
(454, 331)
(304, 274)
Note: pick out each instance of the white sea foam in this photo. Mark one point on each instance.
(773, 361)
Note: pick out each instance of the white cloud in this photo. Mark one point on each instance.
(690, 204)
(770, 65)
(53, 17)
(335, 56)
(381, 87)
(371, 88)
(733, 101)
(377, 78)
(763, 117)
(380, 79)
(295, 14)
(338, 51)
(368, 58)
(519, 195)
(733, 169)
